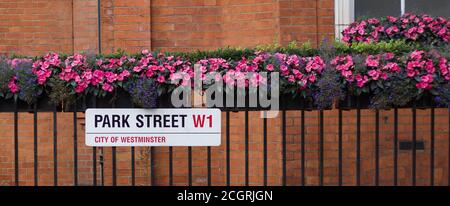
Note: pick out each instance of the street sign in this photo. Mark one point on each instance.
(153, 127)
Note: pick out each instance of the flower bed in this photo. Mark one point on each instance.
(422, 29)
(309, 78)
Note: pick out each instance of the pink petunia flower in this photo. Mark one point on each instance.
(12, 86)
(372, 61)
(375, 74)
(161, 79)
(107, 87)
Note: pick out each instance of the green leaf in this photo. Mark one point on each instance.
(160, 90)
(434, 92)
(358, 92)
(363, 90)
(8, 96)
(380, 84)
(373, 86)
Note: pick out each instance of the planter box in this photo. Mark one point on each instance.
(363, 102)
(10, 106)
(43, 104)
(164, 101)
(289, 102)
(425, 102)
(233, 107)
(354, 102)
(123, 100)
(7, 105)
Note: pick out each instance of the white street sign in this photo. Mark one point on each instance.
(153, 127)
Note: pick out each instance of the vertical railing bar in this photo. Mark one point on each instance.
(94, 153)
(340, 146)
(55, 146)
(414, 140)
(395, 146)
(265, 147)
(377, 147)
(246, 150)
(114, 158)
(228, 147)
(35, 119)
(190, 165)
(75, 144)
(448, 156)
(302, 145)
(170, 166)
(432, 148)
(284, 146)
(208, 163)
(102, 165)
(358, 144)
(114, 166)
(152, 163)
(321, 149)
(16, 143)
(133, 169)
(209, 166)
(94, 166)
(133, 162)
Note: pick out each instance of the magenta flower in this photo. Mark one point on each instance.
(257, 80)
(372, 61)
(392, 66)
(107, 87)
(423, 85)
(13, 88)
(375, 74)
(161, 79)
(361, 80)
(270, 67)
(291, 78)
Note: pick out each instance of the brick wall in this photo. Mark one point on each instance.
(27, 30)
(303, 20)
(175, 25)
(180, 25)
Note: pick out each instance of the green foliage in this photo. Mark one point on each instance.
(60, 94)
(304, 49)
(228, 53)
(398, 92)
(6, 73)
(394, 46)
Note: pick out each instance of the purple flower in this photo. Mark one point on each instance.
(144, 93)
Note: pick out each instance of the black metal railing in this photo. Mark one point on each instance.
(99, 162)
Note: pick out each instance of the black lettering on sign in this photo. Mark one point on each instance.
(139, 123)
(166, 120)
(98, 119)
(157, 120)
(113, 121)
